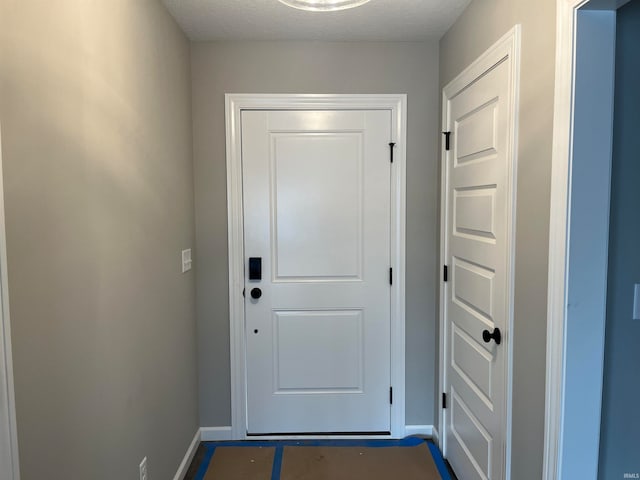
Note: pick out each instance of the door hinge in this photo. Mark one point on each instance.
(391, 395)
(444, 400)
(390, 275)
(447, 140)
(391, 145)
(445, 274)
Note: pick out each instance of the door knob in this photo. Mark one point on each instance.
(496, 336)
(256, 293)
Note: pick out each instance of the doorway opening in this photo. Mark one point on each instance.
(238, 106)
(579, 236)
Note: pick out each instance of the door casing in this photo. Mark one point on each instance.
(508, 47)
(234, 105)
(9, 464)
(570, 422)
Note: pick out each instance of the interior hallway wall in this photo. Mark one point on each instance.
(95, 105)
(315, 67)
(480, 26)
(619, 444)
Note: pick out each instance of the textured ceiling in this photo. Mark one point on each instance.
(383, 20)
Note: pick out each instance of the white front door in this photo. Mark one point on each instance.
(478, 188)
(316, 192)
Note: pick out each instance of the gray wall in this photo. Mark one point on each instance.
(304, 67)
(481, 25)
(619, 445)
(96, 118)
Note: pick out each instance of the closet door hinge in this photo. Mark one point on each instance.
(391, 395)
(391, 145)
(444, 400)
(445, 274)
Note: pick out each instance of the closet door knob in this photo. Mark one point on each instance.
(487, 336)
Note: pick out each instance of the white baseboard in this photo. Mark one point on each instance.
(423, 430)
(435, 436)
(186, 461)
(213, 434)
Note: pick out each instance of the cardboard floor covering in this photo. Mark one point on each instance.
(358, 463)
(241, 463)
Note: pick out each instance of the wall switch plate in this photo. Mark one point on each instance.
(143, 469)
(636, 302)
(186, 260)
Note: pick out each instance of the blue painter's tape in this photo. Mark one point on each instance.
(439, 461)
(205, 461)
(277, 463)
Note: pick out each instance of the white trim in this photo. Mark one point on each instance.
(188, 457)
(559, 232)
(9, 438)
(317, 437)
(442, 301)
(234, 104)
(215, 434)
(435, 436)
(421, 430)
(508, 47)
(556, 288)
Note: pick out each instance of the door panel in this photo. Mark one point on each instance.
(471, 436)
(473, 363)
(474, 213)
(478, 189)
(310, 335)
(316, 190)
(308, 242)
(476, 134)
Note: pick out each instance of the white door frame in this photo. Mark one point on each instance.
(235, 104)
(565, 434)
(507, 47)
(9, 465)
